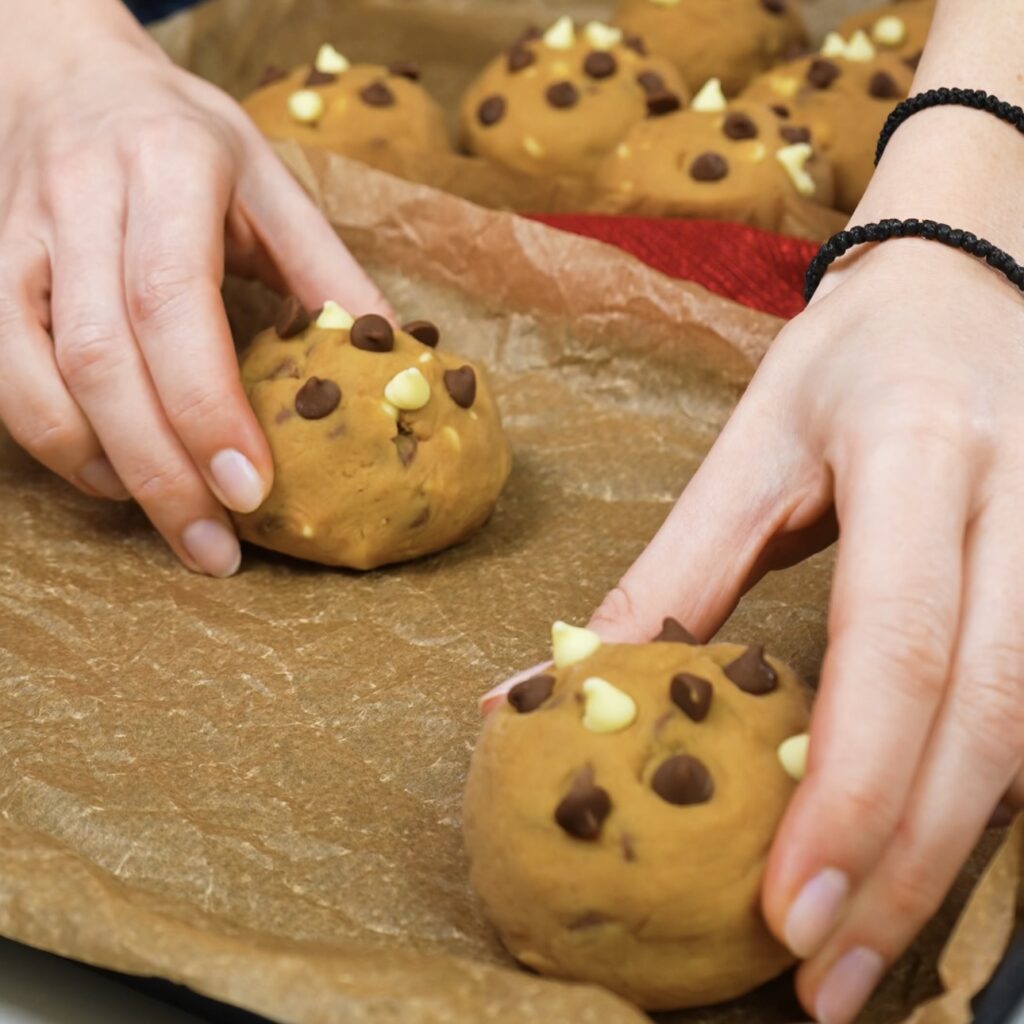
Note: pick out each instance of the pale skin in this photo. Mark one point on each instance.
(890, 407)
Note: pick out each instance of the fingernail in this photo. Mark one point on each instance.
(214, 548)
(848, 985)
(815, 912)
(240, 486)
(494, 694)
(100, 476)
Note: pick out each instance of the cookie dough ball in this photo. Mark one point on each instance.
(385, 447)
(349, 108)
(557, 103)
(900, 29)
(844, 95)
(731, 40)
(745, 163)
(619, 812)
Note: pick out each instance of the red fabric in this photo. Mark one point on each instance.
(759, 269)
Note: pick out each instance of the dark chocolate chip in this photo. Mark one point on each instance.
(674, 632)
(651, 82)
(780, 110)
(317, 398)
(377, 94)
(739, 126)
(491, 110)
(883, 86)
(528, 34)
(316, 77)
(405, 69)
(271, 73)
(583, 809)
(292, 318)
(709, 167)
(774, 6)
(793, 133)
(683, 780)
(406, 445)
(600, 64)
(636, 44)
(531, 693)
(692, 695)
(751, 673)
(461, 385)
(520, 57)
(562, 95)
(372, 333)
(423, 331)
(822, 73)
(662, 102)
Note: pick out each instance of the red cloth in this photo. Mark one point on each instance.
(760, 269)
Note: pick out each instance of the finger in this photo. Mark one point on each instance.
(975, 751)
(893, 620)
(174, 268)
(35, 405)
(308, 256)
(105, 373)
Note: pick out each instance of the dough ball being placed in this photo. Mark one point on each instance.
(558, 102)
(385, 446)
(620, 808)
(743, 162)
(349, 108)
(731, 40)
(900, 29)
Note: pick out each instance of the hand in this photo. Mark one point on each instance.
(128, 186)
(893, 406)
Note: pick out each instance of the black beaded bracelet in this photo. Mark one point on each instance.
(931, 230)
(976, 99)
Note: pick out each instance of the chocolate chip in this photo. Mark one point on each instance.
(406, 445)
(774, 6)
(405, 69)
(674, 632)
(636, 44)
(520, 57)
(423, 331)
(739, 126)
(600, 64)
(372, 333)
(528, 34)
(562, 95)
(531, 693)
(461, 385)
(692, 695)
(317, 398)
(822, 73)
(271, 73)
(316, 77)
(377, 94)
(683, 780)
(662, 102)
(583, 809)
(883, 86)
(793, 133)
(292, 318)
(751, 673)
(780, 110)
(491, 110)
(651, 82)
(709, 167)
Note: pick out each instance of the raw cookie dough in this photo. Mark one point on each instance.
(844, 100)
(744, 163)
(557, 103)
(620, 809)
(731, 40)
(900, 29)
(352, 110)
(385, 447)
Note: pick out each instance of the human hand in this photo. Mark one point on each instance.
(128, 187)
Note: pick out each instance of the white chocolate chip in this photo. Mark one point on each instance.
(793, 159)
(833, 46)
(332, 317)
(602, 36)
(453, 436)
(561, 35)
(389, 410)
(793, 755)
(307, 531)
(860, 47)
(889, 31)
(570, 644)
(329, 61)
(784, 85)
(306, 106)
(710, 99)
(533, 147)
(607, 708)
(408, 389)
